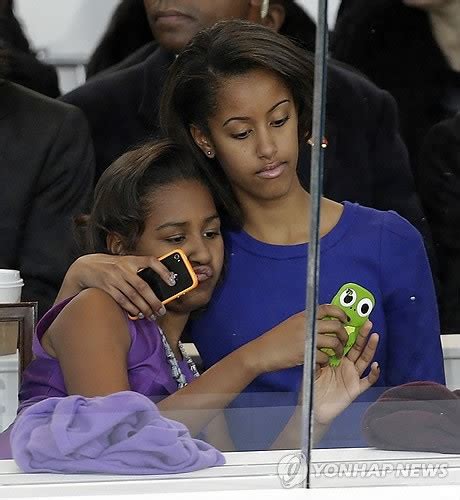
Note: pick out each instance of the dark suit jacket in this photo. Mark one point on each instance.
(393, 45)
(46, 177)
(440, 192)
(122, 107)
(366, 160)
(138, 56)
(344, 6)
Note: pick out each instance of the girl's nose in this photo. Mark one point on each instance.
(266, 145)
(197, 251)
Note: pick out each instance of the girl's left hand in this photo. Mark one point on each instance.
(337, 387)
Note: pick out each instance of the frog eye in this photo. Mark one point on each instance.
(347, 298)
(364, 308)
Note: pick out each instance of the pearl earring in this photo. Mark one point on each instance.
(209, 153)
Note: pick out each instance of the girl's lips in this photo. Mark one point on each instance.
(173, 17)
(203, 273)
(272, 171)
(169, 13)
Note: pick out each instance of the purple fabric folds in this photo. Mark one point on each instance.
(123, 433)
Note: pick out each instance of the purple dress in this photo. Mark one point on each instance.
(149, 372)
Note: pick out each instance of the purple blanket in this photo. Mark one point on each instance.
(123, 433)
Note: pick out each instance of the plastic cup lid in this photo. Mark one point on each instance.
(9, 275)
(12, 284)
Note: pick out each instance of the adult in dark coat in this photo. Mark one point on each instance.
(402, 46)
(46, 178)
(128, 39)
(365, 160)
(440, 193)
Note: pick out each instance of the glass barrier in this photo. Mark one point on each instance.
(391, 146)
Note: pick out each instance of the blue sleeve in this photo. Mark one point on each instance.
(413, 344)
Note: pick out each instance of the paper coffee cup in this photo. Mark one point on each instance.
(10, 286)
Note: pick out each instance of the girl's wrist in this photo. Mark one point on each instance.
(319, 429)
(248, 360)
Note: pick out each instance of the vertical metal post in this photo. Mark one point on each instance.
(316, 188)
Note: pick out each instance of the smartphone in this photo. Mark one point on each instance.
(357, 303)
(186, 280)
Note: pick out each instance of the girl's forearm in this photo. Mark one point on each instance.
(290, 437)
(202, 399)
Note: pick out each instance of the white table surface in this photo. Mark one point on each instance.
(243, 471)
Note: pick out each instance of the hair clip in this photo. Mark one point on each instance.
(264, 8)
(324, 142)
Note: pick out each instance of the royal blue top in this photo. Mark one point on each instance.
(264, 284)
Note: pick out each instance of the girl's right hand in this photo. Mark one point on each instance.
(117, 275)
(326, 326)
(284, 345)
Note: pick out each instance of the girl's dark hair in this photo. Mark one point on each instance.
(123, 194)
(229, 48)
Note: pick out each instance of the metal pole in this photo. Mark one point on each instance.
(316, 185)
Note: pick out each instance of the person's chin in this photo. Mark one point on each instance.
(173, 41)
(274, 192)
(189, 302)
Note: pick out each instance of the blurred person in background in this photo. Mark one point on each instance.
(129, 40)
(46, 178)
(19, 63)
(440, 193)
(410, 48)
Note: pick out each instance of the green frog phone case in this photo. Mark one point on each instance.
(357, 303)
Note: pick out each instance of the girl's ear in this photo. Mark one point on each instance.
(115, 245)
(275, 17)
(202, 141)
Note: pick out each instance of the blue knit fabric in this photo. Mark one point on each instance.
(264, 284)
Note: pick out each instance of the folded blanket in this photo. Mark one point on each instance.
(419, 416)
(123, 433)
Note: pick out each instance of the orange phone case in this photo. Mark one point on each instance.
(189, 269)
(182, 292)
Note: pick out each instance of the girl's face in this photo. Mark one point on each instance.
(254, 135)
(183, 215)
